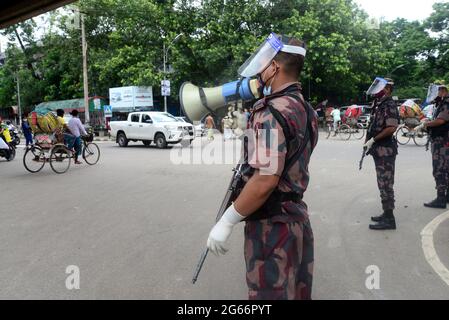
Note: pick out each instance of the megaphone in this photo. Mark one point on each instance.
(196, 102)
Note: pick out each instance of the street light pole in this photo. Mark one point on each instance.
(165, 49)
(18, 100)
(397, 68)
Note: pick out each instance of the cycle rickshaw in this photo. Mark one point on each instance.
(350, 127)
(411, 114)
(51, 148)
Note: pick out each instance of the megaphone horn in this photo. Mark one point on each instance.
(196, 102)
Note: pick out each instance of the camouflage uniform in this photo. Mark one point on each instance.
(279, 249)
(440, 149)
(385, 114)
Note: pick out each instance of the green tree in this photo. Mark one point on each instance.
(125, 47)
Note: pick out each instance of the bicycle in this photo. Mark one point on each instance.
(356, 129)
(59, 155)
(342, 130)
(345, 131)
(404, 134)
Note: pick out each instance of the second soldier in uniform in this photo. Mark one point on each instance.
(382, 145)
(439, 136)
(278, 235)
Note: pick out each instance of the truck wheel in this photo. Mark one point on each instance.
(161, 143)
(122, 140)
(146, 143)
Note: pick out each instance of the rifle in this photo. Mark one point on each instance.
(428, 140)
(368, 136)
(234, 187)
(363, 158)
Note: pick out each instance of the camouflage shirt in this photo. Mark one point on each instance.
(271, 150)
(385, 114)
(442, 112)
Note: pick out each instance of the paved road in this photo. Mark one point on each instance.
(136, 223)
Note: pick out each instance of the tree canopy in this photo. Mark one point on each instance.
(126, 39)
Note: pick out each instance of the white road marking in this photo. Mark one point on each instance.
(429, 248)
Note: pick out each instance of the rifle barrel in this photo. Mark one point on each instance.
(224, 205)
(363, 158)
(200, 265)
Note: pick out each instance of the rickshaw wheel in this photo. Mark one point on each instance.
(60, 159)
(421, 138)
(34, 159)
(344, 132)
(91, 154)
(403, 136)
(359, 132)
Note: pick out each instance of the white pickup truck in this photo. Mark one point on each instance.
(159, 127)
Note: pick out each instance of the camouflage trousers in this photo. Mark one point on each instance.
(385, 168)
(440, 163)
(279, 260)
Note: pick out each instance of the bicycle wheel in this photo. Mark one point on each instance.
(34, 159)
(345, 132)
(60, 159)
(91, 154)
(403, 136)
(421, 138)
(358, 132)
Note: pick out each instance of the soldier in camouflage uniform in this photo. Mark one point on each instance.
(439, 135)
(382, 145)
(278, 236)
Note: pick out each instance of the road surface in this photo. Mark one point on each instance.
(136, 223)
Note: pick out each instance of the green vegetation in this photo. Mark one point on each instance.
(125, 40)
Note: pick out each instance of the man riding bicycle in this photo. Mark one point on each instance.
(76, 128)
(336, 116)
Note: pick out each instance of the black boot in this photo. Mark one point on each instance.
(439, 203)
(378, 218)
(388, 222)
(447, 196)
(385, 224)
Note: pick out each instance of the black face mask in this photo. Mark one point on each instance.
(261, 85)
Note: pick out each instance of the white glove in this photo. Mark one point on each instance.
(222, 230)
(369, 144)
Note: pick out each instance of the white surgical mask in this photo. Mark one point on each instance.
(266, 91)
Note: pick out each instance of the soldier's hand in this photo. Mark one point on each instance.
(369, 144)
(222, 230)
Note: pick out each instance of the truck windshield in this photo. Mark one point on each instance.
(165, 117)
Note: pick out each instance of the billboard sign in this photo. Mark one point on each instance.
(143, 96)
(129, 98)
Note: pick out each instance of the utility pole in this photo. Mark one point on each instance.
(165, 77)
(85, 79)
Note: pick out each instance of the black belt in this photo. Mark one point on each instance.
(273, 206)
(290, 196)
